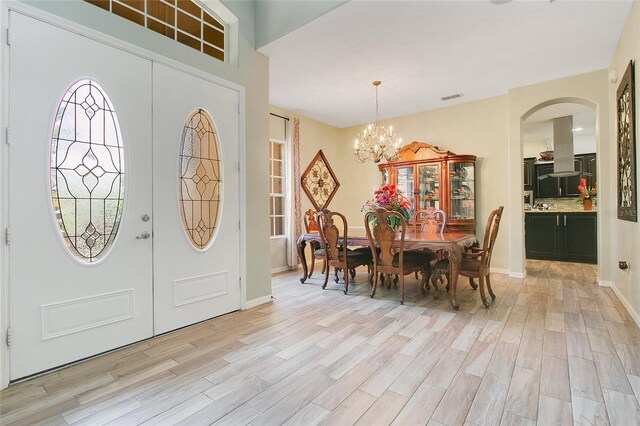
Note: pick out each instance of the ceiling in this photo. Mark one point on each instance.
(539, 125)
(425, 50)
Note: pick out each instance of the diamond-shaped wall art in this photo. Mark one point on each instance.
(319, 182)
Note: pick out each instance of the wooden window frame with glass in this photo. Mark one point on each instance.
(439, 179)
(275, 195)
(187, 21)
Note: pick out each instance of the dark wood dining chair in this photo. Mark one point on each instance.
(391, 258)
(430, 219)
(434, 221)
(338, 255)
(476, 261)
(311, 225)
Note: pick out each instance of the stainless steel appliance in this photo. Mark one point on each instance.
(528, 200)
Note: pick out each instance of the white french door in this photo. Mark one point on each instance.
(64, 304)
(196, 271)
(95, 173)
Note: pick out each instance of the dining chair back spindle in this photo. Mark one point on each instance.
(336, 254)
(391, 257)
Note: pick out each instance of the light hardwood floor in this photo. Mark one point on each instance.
(554, 348)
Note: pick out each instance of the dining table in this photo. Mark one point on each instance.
(452, 242)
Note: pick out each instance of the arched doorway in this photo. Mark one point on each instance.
(551, 235)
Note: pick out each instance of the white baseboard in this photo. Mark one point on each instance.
(623, 300)
(518, 274)
(282, 269)
(605, 283)
(500, 271)
(257, 302)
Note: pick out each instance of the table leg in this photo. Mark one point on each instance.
(455, 260)
(302, 244)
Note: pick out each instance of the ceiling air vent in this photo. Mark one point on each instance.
(448, 98)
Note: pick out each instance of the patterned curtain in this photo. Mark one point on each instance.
(295, 214)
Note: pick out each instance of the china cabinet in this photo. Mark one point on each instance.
(433, 178)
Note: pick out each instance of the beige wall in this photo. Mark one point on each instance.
(478, 128)
(625, 243)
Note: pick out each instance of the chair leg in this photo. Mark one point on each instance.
(336, 279)
(374, 285)
(352, 272)
(324, 265)
(493, 296)
(434, 282)
(346, 281)
(402, 289)
(482, 295)
(388, 280)
(313, 263)
(473, 283)
(326, 277)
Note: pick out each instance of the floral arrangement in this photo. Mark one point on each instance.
(391, 198)
(586, 192)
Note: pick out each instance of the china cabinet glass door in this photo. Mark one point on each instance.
(405, 184)
(462, 190)
(429, 186)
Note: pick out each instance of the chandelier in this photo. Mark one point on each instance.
(376, 142)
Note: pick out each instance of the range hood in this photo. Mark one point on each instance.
(563, 165)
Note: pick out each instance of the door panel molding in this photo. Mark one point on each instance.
(63, 318)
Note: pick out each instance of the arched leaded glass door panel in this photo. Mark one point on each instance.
(87, 171)
(200, 180)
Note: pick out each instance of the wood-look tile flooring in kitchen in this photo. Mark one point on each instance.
(554, 348)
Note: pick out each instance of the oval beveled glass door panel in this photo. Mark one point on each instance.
(87, 171)
(200, 180)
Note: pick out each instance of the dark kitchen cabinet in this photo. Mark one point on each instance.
(564, 187)
(529, 173)
(570, 237)
(569, 185)
(589, 166)
(548, 187)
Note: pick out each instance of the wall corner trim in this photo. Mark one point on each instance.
(518, 274)
(623, 300)
(257, 302)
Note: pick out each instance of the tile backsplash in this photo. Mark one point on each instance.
(564, 203)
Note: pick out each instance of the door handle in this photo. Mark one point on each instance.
(143, 236)
(565, 220)
(557, 220)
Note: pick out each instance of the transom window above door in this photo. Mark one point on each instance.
(185, 21)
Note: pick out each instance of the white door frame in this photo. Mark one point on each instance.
(76, 28)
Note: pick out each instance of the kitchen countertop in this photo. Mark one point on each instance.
(561, 211)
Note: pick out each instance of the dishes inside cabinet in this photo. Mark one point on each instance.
(463, 193)
(459, 173)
